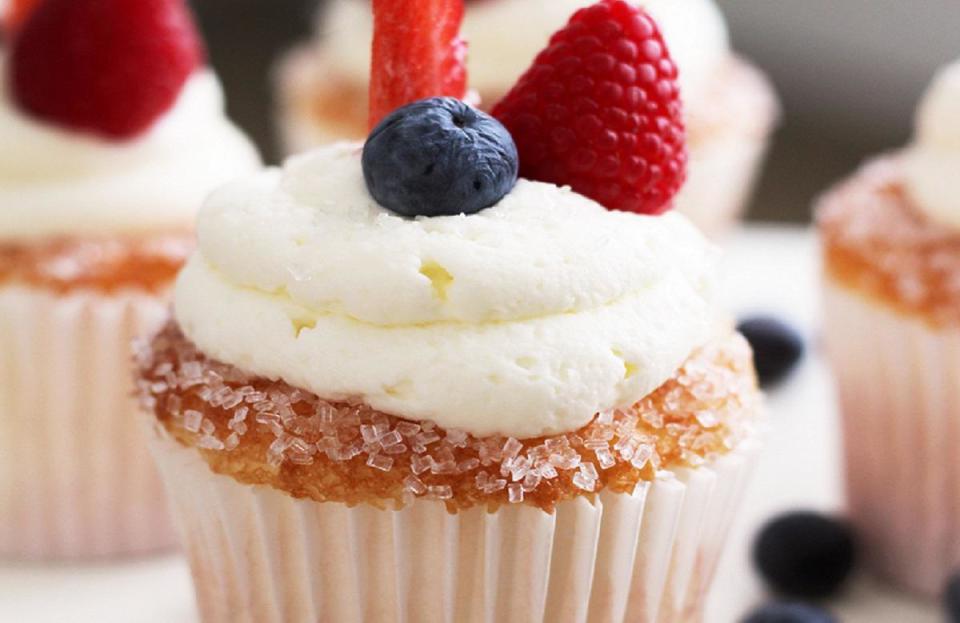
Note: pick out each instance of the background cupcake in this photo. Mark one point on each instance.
(891, 238)
(402, 385)
(106, 151)
(730, 107)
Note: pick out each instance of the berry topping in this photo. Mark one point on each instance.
(600, 111)
(805, 554)
(111, 67)
(439, 156)
(16, 13)
(776, 347)
(789, 613)
(417, 53)
(951, 598)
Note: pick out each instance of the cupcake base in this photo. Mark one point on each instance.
(76, 480)
(899, 385)
(258, 554)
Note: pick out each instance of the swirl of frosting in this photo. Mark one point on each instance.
(55, 182)
(504, 36)
(524, 319)
(933, 161)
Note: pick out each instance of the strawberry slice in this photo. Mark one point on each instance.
(16, 13)
(417, 53)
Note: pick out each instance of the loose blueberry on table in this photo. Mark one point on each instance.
(782, 612)
(805, 554)
(951, 598)
(777, 347)
(439, 156)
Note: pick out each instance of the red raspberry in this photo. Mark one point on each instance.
(599, 110)
(111, 67)
(417, 53)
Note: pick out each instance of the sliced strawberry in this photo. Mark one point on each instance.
(417, 53)
(111, 67)
(17, 13)
(600, 111)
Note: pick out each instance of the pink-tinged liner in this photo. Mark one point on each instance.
(258, 554)
(899, 385)
(76, 479)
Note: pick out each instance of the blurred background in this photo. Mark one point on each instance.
(849, 73)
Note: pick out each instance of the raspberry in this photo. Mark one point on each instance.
(417, 53)
(111, 67)
(16, 13)
(599, 110)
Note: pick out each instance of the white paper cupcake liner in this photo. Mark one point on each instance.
(258, 554)
(76, 479)
(899, 387)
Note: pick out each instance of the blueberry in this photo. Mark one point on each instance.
(776, 347)
(951, 598)
(805, 554)
(439, 156)
(781, 612)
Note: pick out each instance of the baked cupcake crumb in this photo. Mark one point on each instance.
(267, 432)
(62, 265)
(876, 242)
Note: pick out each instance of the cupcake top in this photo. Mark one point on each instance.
(526, 318)
(417, 275)
(124, 135)
(58, 182)
(933, 160)
(420, 317)
(505, 35)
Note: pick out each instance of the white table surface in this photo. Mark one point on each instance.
(769, 270)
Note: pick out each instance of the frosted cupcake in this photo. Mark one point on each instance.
(400, 384)
(96, 216)
(891, 239)
(484, 417)
(731, 109)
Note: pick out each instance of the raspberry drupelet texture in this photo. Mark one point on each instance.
(270, 433)
(599, 110)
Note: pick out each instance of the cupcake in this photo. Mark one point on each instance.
(101, 177)
(731, 108)
(891, 247)
(402, 384)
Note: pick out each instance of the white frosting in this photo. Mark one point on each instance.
(54, 181)
(524, 319)
(933, 161)
(504, 37)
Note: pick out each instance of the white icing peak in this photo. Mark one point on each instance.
(524, 319)
(56, 182)
(504, 36)
(933, 161)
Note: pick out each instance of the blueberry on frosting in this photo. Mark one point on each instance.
(439, 156)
